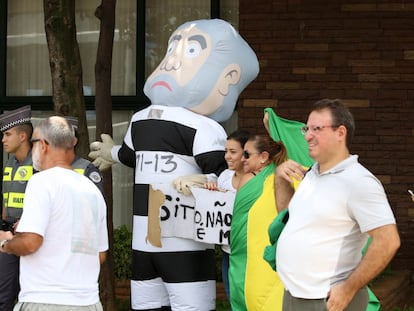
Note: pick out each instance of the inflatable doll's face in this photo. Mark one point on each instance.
(187, 51)
(176, 81)
(200, 68)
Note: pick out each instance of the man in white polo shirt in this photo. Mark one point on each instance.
(337, 206)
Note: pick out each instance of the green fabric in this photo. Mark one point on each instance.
(373, 302)
(245, 199)
(289, 132)
(275, 229)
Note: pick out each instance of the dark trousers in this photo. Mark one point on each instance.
(225, 273)
(290, 303)
(9, 281)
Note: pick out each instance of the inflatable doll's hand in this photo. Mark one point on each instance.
(184, 183)
(101, 152)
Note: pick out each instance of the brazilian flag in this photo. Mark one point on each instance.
(254, 285)
(289, 132)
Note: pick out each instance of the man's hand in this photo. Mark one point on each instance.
(266, 122)
(384, 245)
(284, 184)
(5, 235)
(339, 298)
(101, 152)
(411, 194)
(290, 169)
(184, 183)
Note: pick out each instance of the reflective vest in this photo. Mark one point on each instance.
(15, 178)
(87, 169)
(79, 165)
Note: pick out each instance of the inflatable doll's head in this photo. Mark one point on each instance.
(206, 67)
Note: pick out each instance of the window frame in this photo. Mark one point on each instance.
(136, 102)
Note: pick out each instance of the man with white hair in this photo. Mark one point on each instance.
(62, 235)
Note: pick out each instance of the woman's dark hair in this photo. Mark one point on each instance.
(240, 136)
(276, 149)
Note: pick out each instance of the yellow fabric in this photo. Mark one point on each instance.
(79, 171)
(23, 173)
(263, 288)
(7, 174)
(15, 200)
(295, 183)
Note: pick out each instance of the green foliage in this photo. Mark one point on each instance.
(123, 253)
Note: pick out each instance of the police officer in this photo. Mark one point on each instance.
(17, 130)
(82, 165)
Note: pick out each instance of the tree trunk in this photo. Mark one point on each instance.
(65, 65)
(67, 88)
(103, 105)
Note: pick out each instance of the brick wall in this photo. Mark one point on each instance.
(359, 51)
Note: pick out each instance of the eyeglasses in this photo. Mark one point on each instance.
(35, 140)
(316, 129)
(247, 155)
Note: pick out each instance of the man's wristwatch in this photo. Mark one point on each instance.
(4, 242)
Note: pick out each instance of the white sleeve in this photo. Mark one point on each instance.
(369, 205)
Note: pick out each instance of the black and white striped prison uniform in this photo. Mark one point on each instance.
(163, 143)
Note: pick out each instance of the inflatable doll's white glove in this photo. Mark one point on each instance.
(101, 152)
(183, 184)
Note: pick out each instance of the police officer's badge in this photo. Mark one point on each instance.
(22, 172)
(95, 177)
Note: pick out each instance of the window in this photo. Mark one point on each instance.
(27, 63)
(27, 69)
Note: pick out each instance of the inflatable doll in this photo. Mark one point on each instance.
(178, 140)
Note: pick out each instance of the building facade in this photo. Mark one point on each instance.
(359, 51)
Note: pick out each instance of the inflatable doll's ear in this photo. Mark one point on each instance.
(230, 76)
